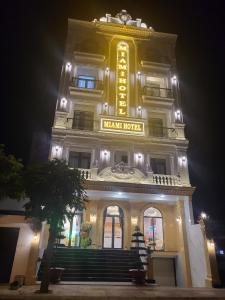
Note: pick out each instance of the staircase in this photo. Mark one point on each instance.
(94, 265)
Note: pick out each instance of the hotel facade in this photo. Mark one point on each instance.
(118, 120)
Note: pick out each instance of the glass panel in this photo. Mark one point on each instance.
(153, 232)
(158, 234)
(80, 160)
(81, 83)
(158, 165)
(152, 212)
(75, 237)
(148, 230)
(117, 233)
(90, 84)
(108, 233)
(113, 210)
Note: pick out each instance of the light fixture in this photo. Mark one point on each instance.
(177, 115)
(139, 73)
(178, 219)
(161, 196)
(139, 155)
(139, 108)
(174, 79)
(107, 70)
(203, 215)
(93, 218)
(68, 67)
(221, 252)
(106, 104)
(63, 102)
(134, 221)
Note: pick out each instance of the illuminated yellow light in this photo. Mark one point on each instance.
(122, 79)
(93, 218)
(118, 126)
(134, 221)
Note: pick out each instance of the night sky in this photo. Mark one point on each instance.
(33, 36)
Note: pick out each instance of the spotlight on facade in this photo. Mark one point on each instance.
(203, 215)
(63, 103)
(93, 218)
(178, 219)
(174, 79)
(68, 67)
(177, 115)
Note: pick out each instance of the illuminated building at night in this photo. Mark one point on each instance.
(118, 119)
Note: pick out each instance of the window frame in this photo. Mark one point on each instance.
(152, 217)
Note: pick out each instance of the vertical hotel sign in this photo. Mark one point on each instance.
(122, 79)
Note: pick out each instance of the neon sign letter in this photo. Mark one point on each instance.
(122, 79)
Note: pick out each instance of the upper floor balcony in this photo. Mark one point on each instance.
(130, 175)
(157, 92)
(85, 87)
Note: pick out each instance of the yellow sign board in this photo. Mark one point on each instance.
(122, 126)
(122, 79)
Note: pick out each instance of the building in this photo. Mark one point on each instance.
(118, 119)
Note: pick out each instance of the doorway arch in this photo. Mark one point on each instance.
(113, 226)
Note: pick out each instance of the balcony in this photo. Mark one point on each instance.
(134, 176)
(157, 92)
(86, 84)
(162, 132)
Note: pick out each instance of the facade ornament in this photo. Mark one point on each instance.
(125, 18)
(122, 168)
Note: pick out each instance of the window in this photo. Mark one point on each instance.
(158, 165)
(80, 160)
(155, 126)
(153, 228)
(86, 82)
(83, 120)
(121, 156)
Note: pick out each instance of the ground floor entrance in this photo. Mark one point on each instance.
(113, 228)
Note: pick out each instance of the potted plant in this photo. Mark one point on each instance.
(85, 231)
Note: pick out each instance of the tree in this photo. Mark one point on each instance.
(11, 176)
(53, 189)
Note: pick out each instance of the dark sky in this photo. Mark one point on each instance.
(32, 41)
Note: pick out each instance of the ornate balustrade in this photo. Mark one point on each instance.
(170, 180)
(134, 177)
(85, 173)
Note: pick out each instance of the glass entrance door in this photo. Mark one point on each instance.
(113, 228)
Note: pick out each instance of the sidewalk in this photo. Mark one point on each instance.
(110, 292)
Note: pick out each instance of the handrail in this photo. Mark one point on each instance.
(157, 92)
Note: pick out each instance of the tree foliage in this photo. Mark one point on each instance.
(11, 176)
(53, 190)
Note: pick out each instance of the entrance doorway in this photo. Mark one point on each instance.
(9, 237)
(113, 228)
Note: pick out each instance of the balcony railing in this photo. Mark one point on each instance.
(162, 132)
(157, 92)
(169, 180)
(154, 179)
(88, 84)
(85, 173)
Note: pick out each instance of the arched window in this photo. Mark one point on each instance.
(153, 228)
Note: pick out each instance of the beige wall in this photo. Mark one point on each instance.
(133, 210)
(25, 239)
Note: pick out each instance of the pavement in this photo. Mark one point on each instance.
(109, 292)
